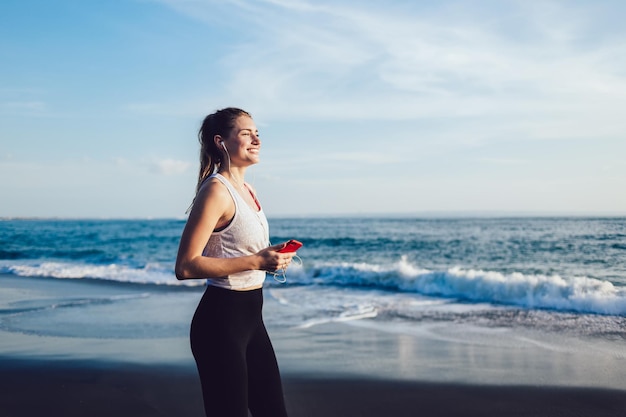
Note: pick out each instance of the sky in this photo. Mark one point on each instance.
(364, 108)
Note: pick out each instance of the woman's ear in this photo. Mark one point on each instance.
(219, 142)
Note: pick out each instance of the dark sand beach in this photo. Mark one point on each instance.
(49, 366)
(77, 389)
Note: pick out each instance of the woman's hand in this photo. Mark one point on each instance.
(271, 260)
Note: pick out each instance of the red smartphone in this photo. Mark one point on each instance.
(292, 246)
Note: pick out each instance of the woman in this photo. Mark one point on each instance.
(225, 241)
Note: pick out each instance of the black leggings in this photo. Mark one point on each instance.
(234, 355)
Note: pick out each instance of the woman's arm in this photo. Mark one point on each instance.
(214, 206)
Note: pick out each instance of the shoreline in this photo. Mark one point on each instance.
(71, 349)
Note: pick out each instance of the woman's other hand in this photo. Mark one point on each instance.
(272, 260)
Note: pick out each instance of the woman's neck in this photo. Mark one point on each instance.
(235, 175)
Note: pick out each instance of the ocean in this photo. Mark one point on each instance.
(564, 275)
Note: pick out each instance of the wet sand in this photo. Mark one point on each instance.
(134, 360)
(78, 389)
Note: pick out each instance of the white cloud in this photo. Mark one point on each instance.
(343, 61)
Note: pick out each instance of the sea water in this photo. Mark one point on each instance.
(564, 275)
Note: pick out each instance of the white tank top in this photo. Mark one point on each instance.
(246, 234)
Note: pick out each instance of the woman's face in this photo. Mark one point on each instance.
(244, 143)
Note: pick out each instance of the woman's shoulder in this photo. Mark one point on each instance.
(213, 189)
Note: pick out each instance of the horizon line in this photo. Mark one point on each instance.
(417, 214)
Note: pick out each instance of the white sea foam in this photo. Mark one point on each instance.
(579, 294)
(150, 274)
(362, 312)
(575, 294)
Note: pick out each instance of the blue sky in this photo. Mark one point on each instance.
(363, 107)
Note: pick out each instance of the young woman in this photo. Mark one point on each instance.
(226, 242)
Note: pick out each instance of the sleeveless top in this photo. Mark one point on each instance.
(246, 234)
